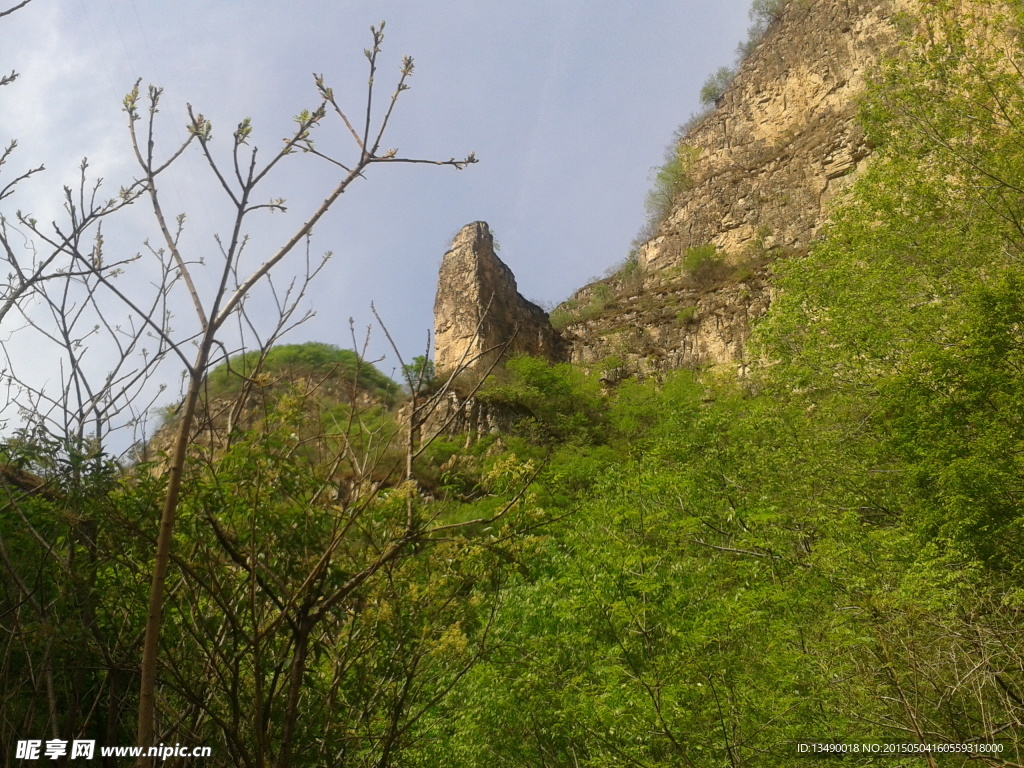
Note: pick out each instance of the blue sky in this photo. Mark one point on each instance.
(567, 104)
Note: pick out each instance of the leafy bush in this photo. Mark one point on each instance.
(714, 87)
(762, 14)
(573, 311)
(420, 375)
(700, 257)
(601, 295)
(563, 403)
(627, 273)
(703, 265)
(685, 315)
(564, 314)
(670, 180)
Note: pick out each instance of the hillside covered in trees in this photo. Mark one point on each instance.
(692, 569)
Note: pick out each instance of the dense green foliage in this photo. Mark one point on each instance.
(292, 361)
(309, 621)
(834, 551)
(695, 571)
(419, 374)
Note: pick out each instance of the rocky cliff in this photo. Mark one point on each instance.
(761, 171)
(479, 314)
(782, 141)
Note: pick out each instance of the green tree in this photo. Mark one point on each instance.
(420, 373)
(913, 297)
(763, 13)
(901, 330)
(840, 553)
(212, 315)
(669, 180)
(558, 402)
(714, 87)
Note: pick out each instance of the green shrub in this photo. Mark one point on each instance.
(562, 402)
(420, 374)
(626, 273)
(704, 266)
(611, 364)
(564, 314)
(762, 14)
(685, 315)
(670, 180)
(572, 311)
(701, 258)
(312, 359)
(600, 297)
(694, 120)
(714, 87)
(639, 410)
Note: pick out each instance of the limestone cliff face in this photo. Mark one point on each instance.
(672, 326)
(479, 312)
(762, 170)
(782, 141)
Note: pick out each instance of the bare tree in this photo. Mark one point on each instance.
(29, 266)
(67, 267)
(374, 525)
(239, 182)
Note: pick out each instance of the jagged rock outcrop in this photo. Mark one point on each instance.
(479, 313)
(455, 415)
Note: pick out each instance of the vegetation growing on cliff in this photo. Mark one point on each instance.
(293, 361)
(671, 178)
(763, 13)
(839, 553)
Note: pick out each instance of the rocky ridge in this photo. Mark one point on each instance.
(783, 140)
(762, 170)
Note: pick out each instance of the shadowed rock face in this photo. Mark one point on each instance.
(478, 310)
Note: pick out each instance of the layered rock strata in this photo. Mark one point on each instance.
(673, 326)
(783, 140)
(762, 171)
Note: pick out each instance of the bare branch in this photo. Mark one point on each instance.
(14, 8)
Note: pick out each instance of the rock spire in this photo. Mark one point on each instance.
(479, 313)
